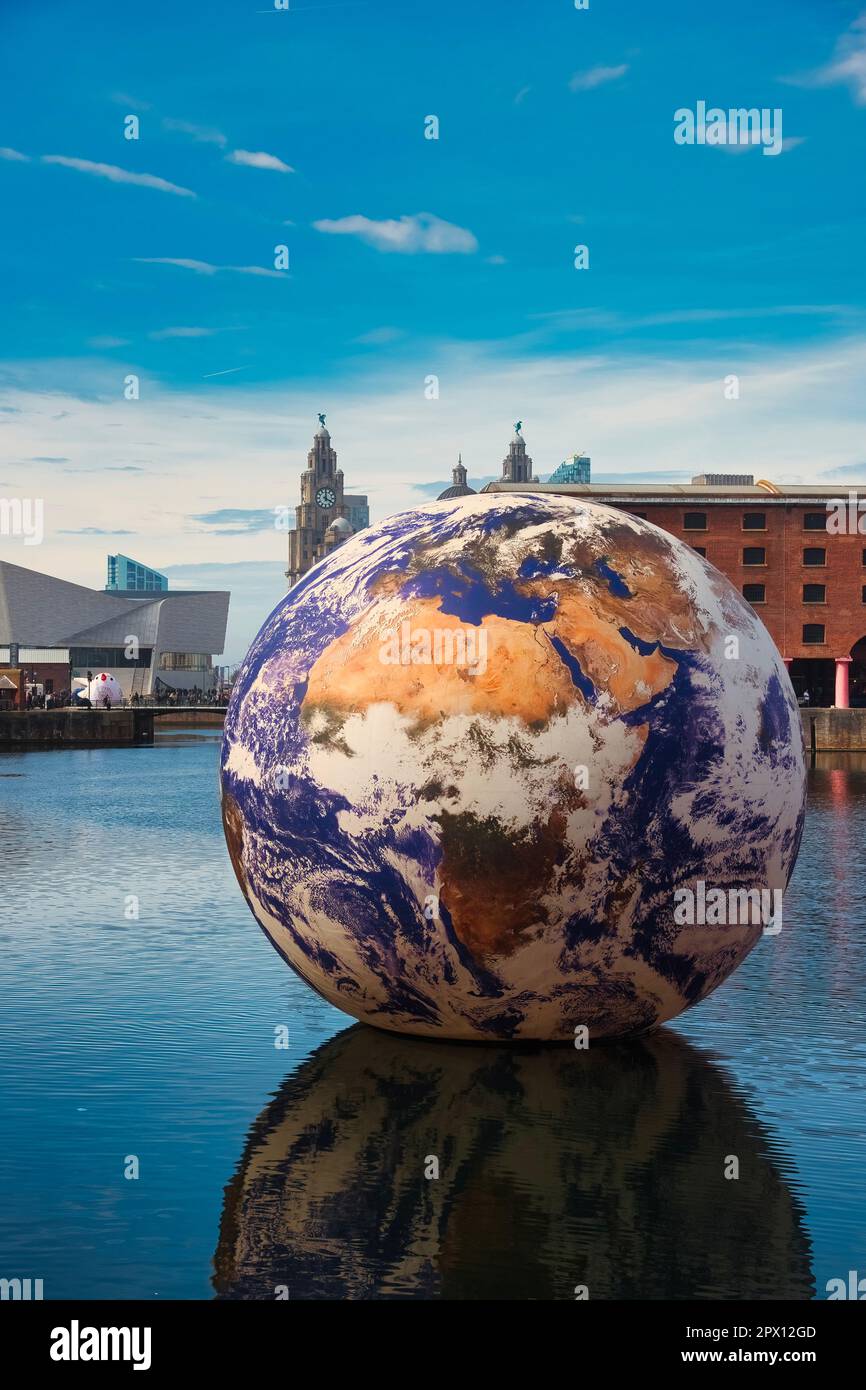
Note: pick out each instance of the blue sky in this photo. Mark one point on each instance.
(412, 257)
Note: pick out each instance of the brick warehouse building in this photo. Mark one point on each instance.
(807, 583)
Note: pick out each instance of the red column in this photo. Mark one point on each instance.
(842, 664)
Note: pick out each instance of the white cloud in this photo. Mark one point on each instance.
(205, 267)
(160, 333)
(205, 135)
(377, 337)
(596, 77)
(568, 320)
(744, 142)
(256, 270)
(14, 155)
(124, 99)
(201, 267)
(422, 232)
(847, 66)
(257, 159)
(107, 342)
(496, 260)
(116, 175)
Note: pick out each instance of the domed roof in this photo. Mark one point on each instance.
(340, 524)
(459, 487)
(458, 490)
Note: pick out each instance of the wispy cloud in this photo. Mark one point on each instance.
(124, 99)
(607, 319)
(596, 77)
(201, 267)
(106, 341)
(209, 135)
(522, 95)
(14, 155)
(112, 468)
(421, 232)
(847, 470)
(377, 337)
(117, 175)
(205, 267)
(237, 521)
(847, 66)
(257, 159)
(92, 531)
(160, 333)
(744, 143)
(205, 135)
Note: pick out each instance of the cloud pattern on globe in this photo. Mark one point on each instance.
(474, 753)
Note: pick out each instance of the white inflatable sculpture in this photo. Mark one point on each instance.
(104, 687)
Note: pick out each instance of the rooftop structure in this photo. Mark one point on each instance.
(517, 465)
(722, 480)
(459, 486)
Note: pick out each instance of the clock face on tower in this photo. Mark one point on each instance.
(325, 497)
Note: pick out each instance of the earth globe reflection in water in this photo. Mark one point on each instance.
(558, 1171)
(476, 756)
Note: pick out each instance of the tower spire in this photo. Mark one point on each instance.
(517, 465)
(325, 516)
(459, 486)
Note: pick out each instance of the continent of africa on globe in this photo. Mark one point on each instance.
(473, 755)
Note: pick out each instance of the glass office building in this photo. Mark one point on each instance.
(576, 470)
(127, 576)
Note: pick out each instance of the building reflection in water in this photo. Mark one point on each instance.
(557, 1168)
(837, 786)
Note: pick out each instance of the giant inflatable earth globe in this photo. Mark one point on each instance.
(513, 766)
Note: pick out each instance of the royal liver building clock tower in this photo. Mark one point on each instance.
(326, 516)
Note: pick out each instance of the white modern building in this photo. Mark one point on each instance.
(144, 639)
